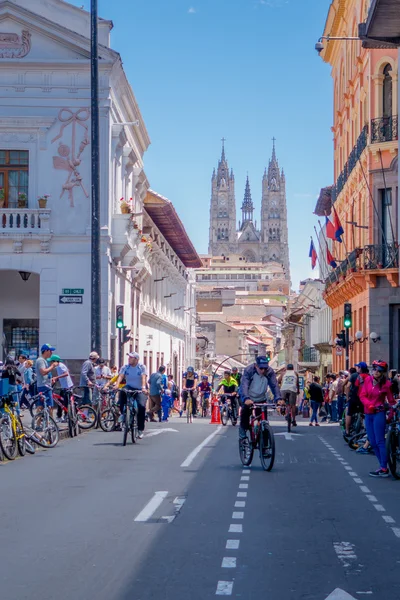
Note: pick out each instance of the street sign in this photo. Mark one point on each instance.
(73, 291)
(301, 382)
(70, 299)
(339, 351)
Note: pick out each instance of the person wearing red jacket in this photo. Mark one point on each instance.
(375, 393)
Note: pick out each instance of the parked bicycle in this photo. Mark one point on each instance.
(43, 423)
(261, 436)
(109, 416)
(13, 438)
(83, 416)
(393, 442)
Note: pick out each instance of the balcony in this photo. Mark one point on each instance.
(308, 357)
(24, 220)
(384, 129)
(354, 156)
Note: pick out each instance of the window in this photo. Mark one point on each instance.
(145, 358)
(150, 370)
(13, 176)
(162, 359)
(158, 361)
(387, 91)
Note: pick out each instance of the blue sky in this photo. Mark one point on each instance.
(243, 69)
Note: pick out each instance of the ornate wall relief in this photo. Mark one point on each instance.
(14, 46)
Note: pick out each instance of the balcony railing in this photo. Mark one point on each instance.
(373, 257)
(355, 154)
(24, 220)
(309, 355)
(384, 129)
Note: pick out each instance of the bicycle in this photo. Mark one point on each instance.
(261, 436)
(109, 417)
(13, 438)
(284, 410)
(205, 404)
(393, 442)
(130, 417)
(189, 409)
(228, 411)
(44, 424)
(83, 416)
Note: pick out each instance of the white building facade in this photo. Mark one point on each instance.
(45, 246)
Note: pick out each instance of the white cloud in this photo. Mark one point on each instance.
(192, 10)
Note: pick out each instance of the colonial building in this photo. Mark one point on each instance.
(365, 191)
(269, 243)
(45, 245)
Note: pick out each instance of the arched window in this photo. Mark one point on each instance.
(387, 91)
(219, 234)
(226, 233)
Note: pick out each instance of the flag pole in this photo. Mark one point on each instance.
(343, 242)
(321, 253)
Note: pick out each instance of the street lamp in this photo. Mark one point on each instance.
(319, 46)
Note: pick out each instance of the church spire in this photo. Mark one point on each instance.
(223, 169)
(247, 206)
(223, 150)
(273, 176)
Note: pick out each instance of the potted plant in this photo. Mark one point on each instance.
(2, 198)
(42, 200)
(22, 200)
(125, 206)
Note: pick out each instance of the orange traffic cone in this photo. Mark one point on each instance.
(215, 412)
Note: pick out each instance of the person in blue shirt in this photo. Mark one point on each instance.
(135, 374)
(158, 384)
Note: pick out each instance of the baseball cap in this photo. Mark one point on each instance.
(54, 358)
(133, 355)
(262, 362)
(362, 365)
(46, 347)
(93, 355)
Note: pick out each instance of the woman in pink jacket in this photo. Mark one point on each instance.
(375, 393)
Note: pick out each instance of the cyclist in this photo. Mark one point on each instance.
(236, 375)
(228, 386)
(256, 379)
(135, 374)
(190, 380)
(66, 384)
(375, 394)
(204, 389)
(290, 388)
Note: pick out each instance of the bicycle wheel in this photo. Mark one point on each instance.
(189, 416)
(72, 420)
(126, 425)
(393, 452)
(21, 438)
(134, 427)
(224, 415)
(86, 416)
(246, 450)
(289, 419)
(267, 447)
(8, 442)
(47, 431)
(108, 420)
(357, 440)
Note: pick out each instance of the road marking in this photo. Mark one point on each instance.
(232, 544)
(388, 519)
(245, 478)
(158, 431)
(364, 489)
(372, 498)
(379, 507)
(151, 507)
(348, 468)
(241, 494)
(396, 531)
(339, 594)
(353, 474)
(188, 461)
(240, 504)
(238, 515)
(345, 553)
(235, 528)
(229, 562)
(289, 436)
(243, 486)
(224, 588)
(357, 480)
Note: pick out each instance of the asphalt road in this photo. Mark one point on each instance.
(91, 519)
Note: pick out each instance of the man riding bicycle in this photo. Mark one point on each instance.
(189, 384)
(136, 379)
(256, 379)
(204, 389)
(228, 388)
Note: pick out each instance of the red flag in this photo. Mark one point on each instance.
(313, 254)
(331, 261)
(330, 229)
(339, 231)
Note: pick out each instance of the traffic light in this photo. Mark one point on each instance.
(269, 355)
(348, 319)
(120, 316)
(126, 335)
(341, 339)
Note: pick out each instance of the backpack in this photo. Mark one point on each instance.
(175, 391)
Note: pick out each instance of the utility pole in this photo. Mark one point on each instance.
(95, 316)
(347, 342)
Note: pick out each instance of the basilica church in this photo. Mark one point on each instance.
(266, 244)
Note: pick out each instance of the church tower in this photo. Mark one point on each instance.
(223, 237)
(274, 228)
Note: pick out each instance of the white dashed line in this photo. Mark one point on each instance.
(388, 519)
(229, 562)
(224, 588)
(396, 531)
(364, 489)
(348, 468)
(372, 498)
(379, 508)
(238, 515)
(235, 528)
(151, 507)
(240, 504)
(232, 544)
(352, 474)
(241, 494)
(358, 480)
(243, 486)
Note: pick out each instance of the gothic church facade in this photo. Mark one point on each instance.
(269, 243)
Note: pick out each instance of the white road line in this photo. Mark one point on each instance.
(232, 544)
(188, 461)
(357, 480)
(372, 498)
(151, 507)
(353, 474)
(235, 528)
(238, 515)
(379, 508)
(348, 468)
(245, 478)
(396, 531)
(243, 486)
(345, 553)
(246, 471)
(364, 489)
(241, 494)
(224, 588)
(229, 562)
(240, 504)
(388, 519)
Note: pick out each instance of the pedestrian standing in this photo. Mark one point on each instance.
(316, 397)
(333, 398)
(341, 396)
(88, 377)
(375, 394)
(43, 375)
(66, 384)
(11, 372)
(28, 383)
(156, 383)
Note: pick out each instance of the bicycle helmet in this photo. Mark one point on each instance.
(190, 370)
(380, 365)
(204, 376)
